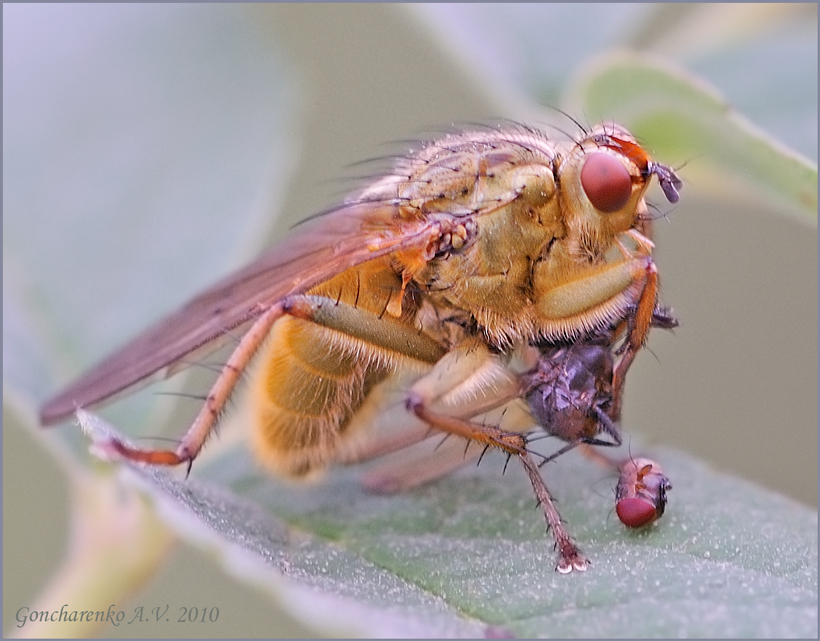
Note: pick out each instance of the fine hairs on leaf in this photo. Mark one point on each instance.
(472, 544)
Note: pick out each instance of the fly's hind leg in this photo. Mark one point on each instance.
(390, 335)
(205, 421)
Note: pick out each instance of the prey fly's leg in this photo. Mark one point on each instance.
(597, 457)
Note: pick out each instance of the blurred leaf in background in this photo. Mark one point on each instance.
(149, 149)
(145, 148)
(634, 70)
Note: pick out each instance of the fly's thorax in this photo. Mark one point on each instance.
(375, 287)
(472, 174)
(548, 216)
(491, 279)
(502, 183)
(493, 272)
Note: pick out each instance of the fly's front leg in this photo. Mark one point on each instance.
(637, 331)
(574, 302)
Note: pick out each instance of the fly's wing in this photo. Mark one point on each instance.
(342, 238)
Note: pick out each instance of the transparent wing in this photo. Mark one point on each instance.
(325, 246)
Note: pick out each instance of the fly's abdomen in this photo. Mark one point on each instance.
(312, 380)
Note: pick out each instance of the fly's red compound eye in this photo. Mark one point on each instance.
(606, 182)
(636, 512)
(641, 492)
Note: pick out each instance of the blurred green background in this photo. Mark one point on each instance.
(147, 149)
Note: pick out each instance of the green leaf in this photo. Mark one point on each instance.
(687, 120)
(467, 555)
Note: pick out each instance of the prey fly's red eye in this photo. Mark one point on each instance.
(606, 182)
(641, 492)
(636, 512)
